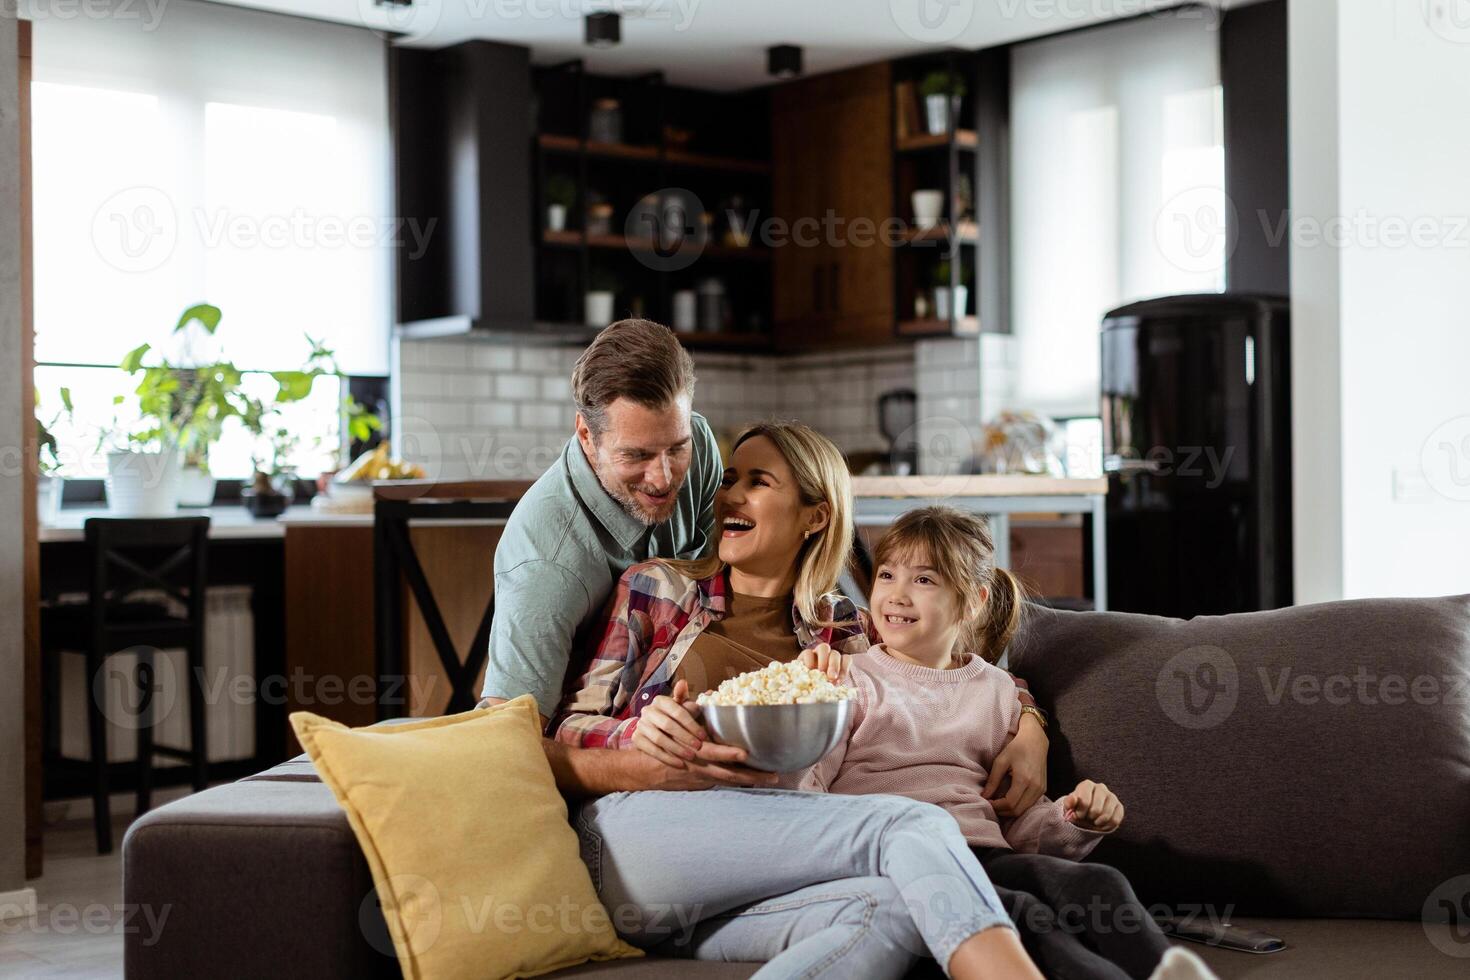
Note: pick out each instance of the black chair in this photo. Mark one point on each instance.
(163, 558)
(395, 560)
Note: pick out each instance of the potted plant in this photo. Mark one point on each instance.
(598, 303)
(561, 194)
(944, 293)
(49, 481)
(180, 406)
(273, 482)
(943, 92)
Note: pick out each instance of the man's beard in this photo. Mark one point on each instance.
(624, 496)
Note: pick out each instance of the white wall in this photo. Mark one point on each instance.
(1381, 299)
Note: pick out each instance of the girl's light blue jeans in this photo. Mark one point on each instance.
(815, 885)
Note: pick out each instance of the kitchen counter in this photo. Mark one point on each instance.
(881, 500)
(226, 521)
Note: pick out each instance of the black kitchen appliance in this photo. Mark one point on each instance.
(1196, 419)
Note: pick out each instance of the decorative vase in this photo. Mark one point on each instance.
(598, 307)
(928, 205)
(269, 496)
(942, 296)
(556, 217)
(196, 487)
(48, 498)
(143, 484)
(937, 112)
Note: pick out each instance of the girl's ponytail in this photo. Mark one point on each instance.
(1002, 617)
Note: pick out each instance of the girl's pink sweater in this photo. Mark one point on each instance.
(932, 735)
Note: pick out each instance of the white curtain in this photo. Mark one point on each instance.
(193, 152)
(1117, 190)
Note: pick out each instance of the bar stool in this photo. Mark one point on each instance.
(163, 558)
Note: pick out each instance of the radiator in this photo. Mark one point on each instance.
(229, 690)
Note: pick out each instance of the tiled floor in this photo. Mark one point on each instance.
(77, 930)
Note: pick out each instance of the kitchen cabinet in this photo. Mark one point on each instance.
(832, 168)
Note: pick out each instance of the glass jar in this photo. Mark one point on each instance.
(605, 125)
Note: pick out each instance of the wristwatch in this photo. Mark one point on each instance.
(1031, 709)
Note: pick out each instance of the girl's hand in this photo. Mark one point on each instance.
(668, 730)
(1092, 806)
(822, 657)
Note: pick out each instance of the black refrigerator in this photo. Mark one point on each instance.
(1196, 419)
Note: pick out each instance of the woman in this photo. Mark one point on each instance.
(862, 886)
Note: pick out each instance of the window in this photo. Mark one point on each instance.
(1117, 194)
(222, 155)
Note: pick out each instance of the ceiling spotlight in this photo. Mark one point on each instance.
(783, 60)
(604, 30)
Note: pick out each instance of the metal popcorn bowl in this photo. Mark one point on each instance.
(780, 737)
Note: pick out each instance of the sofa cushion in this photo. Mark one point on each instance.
(1345, 949)
(477, 869)
(1310, 761)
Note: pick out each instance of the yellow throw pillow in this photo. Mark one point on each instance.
(475, 864)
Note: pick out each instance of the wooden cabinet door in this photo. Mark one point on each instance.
(832, 166)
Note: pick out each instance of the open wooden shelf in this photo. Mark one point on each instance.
(622, 151)
(966, 232)
(967, 326)
(574, 239)
(720, 340)
(555, 143)
(965, 138)
(703, 161)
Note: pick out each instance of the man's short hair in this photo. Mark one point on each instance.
(635, 359)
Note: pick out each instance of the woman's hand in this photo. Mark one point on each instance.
(668, 730)
(1023, 760)
(1092, 806)
(822, 657)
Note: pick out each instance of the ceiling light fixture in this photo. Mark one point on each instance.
(783, 60)
(604, 30)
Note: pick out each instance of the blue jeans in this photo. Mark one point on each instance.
(815, 885)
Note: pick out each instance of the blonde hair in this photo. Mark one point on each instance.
(821, 477)
(959, 546)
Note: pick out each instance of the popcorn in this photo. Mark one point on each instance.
(778, 683)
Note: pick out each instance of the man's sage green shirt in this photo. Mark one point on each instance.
(564, 548)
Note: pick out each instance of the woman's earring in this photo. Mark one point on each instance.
(806, 535)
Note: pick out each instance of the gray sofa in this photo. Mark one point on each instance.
(1305, 771)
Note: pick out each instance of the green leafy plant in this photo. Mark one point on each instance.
(561, 189)
(186, 406)
(48, 452)
(274, 442)
(942, 82)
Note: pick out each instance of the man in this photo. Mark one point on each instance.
(637, 481)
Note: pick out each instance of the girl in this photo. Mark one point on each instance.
(814, 885)
(931, 714)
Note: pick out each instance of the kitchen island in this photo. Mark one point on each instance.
(880, 500)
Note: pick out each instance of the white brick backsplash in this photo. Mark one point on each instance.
(517, 387)
(536, 415)
(493, 415)
(539, 360)
(477, 410)
(492, 357)
(556, 388)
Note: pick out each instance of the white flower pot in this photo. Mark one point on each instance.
(556, 217)
(143, 484)
(48, 499)
(941, 302)
(928, 205)
(598, 307)
(196, 487)
(936, 111)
